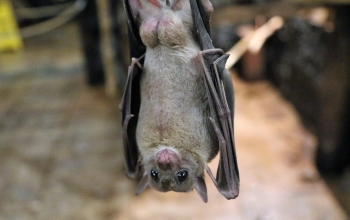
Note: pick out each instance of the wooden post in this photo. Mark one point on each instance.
(90, 35)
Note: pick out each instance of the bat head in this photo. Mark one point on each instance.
(170, 170)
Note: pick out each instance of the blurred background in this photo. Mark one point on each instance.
(63, 65)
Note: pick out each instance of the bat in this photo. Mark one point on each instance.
(178, 104)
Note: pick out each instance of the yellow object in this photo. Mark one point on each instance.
(10, 39)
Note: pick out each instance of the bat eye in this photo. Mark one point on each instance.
(154, 175)
(182, 176)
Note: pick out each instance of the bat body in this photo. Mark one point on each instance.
(174, 134)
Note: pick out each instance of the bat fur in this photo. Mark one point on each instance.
(174, 113)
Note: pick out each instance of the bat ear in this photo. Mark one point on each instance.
(201, 189)
(143, 184)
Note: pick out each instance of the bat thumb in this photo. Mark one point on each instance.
(143, 184)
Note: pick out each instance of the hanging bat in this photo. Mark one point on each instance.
(177, 108)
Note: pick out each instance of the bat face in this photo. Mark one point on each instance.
(171, 180)
(169, 170)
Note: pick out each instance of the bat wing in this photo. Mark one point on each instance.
(130, 107)
(221, 103)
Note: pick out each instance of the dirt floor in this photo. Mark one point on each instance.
(61, 150)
